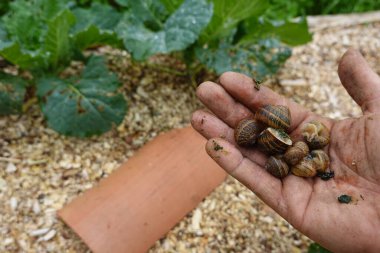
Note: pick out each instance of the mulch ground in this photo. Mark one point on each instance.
(40, 170)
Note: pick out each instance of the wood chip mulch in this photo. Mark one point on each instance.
(40, 170)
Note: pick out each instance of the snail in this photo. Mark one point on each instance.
(247, 132)
(274, 141)
(305, 168)
(295, 153)
(276, 166)
(321, 160)
(316, 134)
(275, 116)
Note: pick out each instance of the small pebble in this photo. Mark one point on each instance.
(8, 241)
(39, 232)
(13, 203)
(3, 184)
(36, 207)
(196, 219)
(266, 219)
(11, 168)
(49, 235)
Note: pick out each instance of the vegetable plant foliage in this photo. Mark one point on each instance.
(75, 106)
(12, 92)
(218, 34)
(45, 45)
(160, 34)
(44, 36)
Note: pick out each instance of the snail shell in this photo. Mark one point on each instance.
(247, 132)
(274, 141)
(275, 116)
(295, 153)
(321, 160)
(305, 168)
(277, 167)
(316, 134)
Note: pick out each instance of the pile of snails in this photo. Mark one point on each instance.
(268, 129)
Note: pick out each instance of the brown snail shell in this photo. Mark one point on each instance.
(295, 153)
(316, 134)
(277, 167)
(274, 141)
(275, 116)
(305, 168)
(247, 131)
(321, 160)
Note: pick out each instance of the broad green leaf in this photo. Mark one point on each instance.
(87, 2)
(93, 36)
(4, 6)
(12, 94)
(150, 12)
(259, 60)
(26, 20)
(12, 52)
(86, 106)
(180, 30)
(94, 26)
(51, 8)
(171, 5)
(3, 33)
(24, 24)
(291, 33)
(57, 41)
(124, 3)
(102, 16)
(227, 14)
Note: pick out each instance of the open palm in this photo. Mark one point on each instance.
(310, 205)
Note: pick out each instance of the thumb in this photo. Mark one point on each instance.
(360, 81)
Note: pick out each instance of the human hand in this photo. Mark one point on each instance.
(310, 205)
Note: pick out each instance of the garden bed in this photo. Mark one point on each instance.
(40, 170)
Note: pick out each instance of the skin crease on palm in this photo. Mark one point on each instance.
(310, 205)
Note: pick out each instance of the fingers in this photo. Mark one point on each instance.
(211, 126)
(222, 104)
(242, 89)
(360, 81)
(264, 185)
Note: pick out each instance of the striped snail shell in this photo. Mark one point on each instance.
(247, 132)
(295, 153)
(275, 116)
(305, 168)
(276, 166)
(321, 160)
(274, 141)
(316, 134)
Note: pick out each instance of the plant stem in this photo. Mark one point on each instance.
(26, 106)
(166, 69)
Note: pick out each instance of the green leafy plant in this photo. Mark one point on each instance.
(12, 93)
(74, 105)
(4, 6)
(220, 35)
(43, 37)
(154, 32)
(282, 9)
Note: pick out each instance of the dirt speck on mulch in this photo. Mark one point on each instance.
(40, 171)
